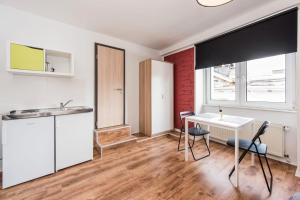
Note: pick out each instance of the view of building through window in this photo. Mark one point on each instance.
(223, 82)
(266, 79)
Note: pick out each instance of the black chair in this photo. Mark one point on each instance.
(195, 131)
(254, 146)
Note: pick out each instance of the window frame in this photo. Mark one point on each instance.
(241, 88)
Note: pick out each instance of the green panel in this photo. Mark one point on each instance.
(26, 58)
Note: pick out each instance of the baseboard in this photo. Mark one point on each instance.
(155, 136)
(162, 133)
(174, 135)
(177, 130)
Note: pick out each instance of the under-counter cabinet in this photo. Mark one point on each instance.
(28, 149)
(74, 139)
(35, 147)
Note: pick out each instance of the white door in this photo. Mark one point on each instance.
(28, 149)
(162, 97)
(74, 139)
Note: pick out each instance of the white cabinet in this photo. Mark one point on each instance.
(74, 139)
(162, 97)
(156, 97)
(28, 149)
(36, 147)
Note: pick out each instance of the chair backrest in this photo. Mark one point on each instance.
(183, 115)
(261, 131)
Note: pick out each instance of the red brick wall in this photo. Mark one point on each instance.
(183, 82)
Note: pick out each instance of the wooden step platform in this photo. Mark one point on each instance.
(110, 136)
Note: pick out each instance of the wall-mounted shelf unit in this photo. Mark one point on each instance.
(31, 60)
(37, 73)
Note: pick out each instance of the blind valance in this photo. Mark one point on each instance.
(269, 37)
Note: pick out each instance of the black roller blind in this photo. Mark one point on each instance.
(272, 36)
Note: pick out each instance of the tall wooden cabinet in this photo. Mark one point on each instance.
(156, 97)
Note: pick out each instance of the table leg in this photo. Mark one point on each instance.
(236, 158)
(252, 154)
(186, 147)
(207, 136)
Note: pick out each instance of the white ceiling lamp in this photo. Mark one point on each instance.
(213, 3)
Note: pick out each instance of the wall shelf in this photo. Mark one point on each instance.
(22, 60)
(39, 73)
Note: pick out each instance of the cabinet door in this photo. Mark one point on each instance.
(26, 58)
(28, 149)
(74, 139)
(162, 97)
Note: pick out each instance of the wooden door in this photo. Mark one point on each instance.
(110, 86)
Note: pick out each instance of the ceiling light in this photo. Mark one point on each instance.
(212, 3)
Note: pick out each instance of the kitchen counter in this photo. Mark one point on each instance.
(34, 113)
(47, 139)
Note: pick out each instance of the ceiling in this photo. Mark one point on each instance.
(156, 24)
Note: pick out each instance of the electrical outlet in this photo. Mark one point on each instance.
(286, 155)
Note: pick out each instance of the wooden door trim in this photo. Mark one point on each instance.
(96, 81)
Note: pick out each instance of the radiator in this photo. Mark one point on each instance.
(274, 137)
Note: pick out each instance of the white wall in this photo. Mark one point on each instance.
(20, 92)
(286, 118)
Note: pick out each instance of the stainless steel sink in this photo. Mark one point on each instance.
(69, 110)
(31, 113)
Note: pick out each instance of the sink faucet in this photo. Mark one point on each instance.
(63, 105)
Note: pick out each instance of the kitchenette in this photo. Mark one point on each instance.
(39, 142)
(38, 135)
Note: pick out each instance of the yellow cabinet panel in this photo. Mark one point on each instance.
(26, 58)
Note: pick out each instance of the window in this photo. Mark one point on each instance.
(266, 79)
(223, 82)
(266, 82)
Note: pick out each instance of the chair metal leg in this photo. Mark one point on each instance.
(269, 186)
(262, 167)
(240, 159)
(194, 141)
(178, 148)
(206, 146)
(196, 159)
(271, 183)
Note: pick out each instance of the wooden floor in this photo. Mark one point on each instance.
(155, 170)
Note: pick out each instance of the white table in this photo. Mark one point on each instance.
(233, 123)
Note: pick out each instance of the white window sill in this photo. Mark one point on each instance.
(253, 108)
